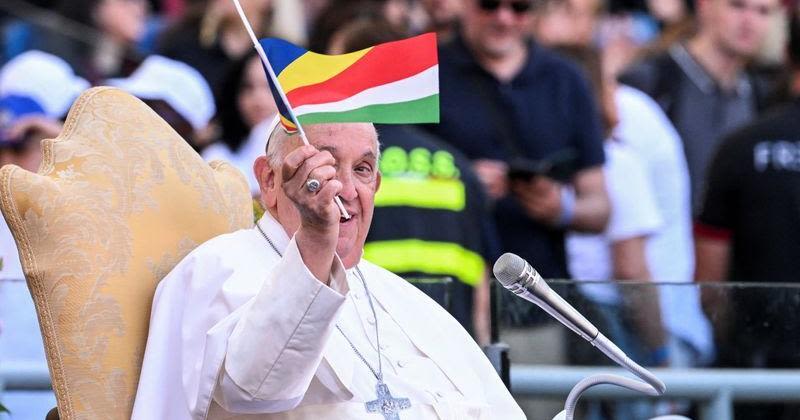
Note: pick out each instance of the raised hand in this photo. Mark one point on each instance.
(318, 233)
(316, 206)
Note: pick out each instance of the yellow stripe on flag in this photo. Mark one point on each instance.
(312, 68)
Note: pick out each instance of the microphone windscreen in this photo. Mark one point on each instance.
(508, 268)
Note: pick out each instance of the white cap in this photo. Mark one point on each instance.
(174, 82)
(43, 77)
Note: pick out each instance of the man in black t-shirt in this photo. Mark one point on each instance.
(748, 229)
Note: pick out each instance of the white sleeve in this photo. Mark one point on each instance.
(278, 341)
(634, 211)
(501, 403)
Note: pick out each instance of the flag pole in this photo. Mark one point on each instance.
(279, 88)
(268, 66)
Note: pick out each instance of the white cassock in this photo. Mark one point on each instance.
(238, 332)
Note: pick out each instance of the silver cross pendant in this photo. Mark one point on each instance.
(387, 405)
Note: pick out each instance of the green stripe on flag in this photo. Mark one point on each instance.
(444, 194)
(433, 258)
(423, 110)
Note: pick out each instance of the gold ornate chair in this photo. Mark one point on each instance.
(119, 199)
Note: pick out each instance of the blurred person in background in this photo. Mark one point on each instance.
(587, 23)
(36, 90)
(176, 92)
(629, 314)
(620, 34)
(113, 29)
(288, 21)
(619, 252)
(567, 22)
(211, 36)
(703, 84)
(645, 132)
(312, 9)
(674, 21)
(23, 125)
(505, 100)
(643, 129)
(244, 108)
(669, 12)
(431, 221)
(747, 230)
(339, 13)
(45, 78)
(443, 17)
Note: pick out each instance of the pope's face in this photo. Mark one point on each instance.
(354, 146)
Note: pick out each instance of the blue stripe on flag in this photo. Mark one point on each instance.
(283, 108)
(281, 53)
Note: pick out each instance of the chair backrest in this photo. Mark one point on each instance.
(119, 199)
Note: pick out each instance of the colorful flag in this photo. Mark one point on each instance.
(392, 83)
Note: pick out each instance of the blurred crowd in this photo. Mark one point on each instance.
(641, 140)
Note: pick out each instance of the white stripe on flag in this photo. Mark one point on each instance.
(418, 86)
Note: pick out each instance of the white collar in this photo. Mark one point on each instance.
(699, 75)
(274, 230)
(277, 234)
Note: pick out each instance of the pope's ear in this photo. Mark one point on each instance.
(266, 181)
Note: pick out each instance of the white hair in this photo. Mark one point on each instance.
(277, 143)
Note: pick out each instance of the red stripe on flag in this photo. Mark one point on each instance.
(385, 63)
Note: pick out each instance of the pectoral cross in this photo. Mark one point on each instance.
(386, 404)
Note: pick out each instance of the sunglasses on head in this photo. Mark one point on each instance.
(519, 6)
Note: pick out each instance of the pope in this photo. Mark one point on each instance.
(287, 321)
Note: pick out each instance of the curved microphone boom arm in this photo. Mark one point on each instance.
(519, 277)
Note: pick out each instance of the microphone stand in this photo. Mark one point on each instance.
(648, 383)
(520, 278)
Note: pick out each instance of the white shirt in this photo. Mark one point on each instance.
(670, 251)
(633, 214)
(264, 345)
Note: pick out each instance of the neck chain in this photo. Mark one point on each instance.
(385, 404)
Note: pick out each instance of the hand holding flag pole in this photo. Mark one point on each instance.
(279, 89)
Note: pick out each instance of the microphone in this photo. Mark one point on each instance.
(516, 275)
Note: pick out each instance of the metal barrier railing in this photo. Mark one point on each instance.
(24, 376)
(714, 389)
